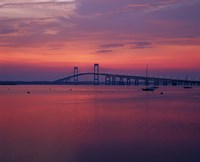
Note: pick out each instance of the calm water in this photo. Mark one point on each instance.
(99, 124)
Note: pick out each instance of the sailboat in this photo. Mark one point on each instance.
(187, 87)
(147, 88)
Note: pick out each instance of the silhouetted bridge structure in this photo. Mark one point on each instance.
(122, 79)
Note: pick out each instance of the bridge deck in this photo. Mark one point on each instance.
(135, 77)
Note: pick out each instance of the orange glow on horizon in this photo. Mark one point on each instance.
(168, 57)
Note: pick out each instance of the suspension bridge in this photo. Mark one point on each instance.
(123, 79)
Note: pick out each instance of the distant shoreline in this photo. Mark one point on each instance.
(43, 83)
(26, 82)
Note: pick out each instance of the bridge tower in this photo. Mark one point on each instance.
(96, 74)
(76, 75)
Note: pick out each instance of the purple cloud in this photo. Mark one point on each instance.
(36, 8)
(114, 45)
(158, 21)
(141, 44)
(104, 51)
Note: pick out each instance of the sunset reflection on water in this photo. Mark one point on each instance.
(99, 124)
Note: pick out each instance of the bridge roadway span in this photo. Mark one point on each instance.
(109, 79)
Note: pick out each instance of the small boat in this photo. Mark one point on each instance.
(187, 87)
(155, 87)
(148, 89)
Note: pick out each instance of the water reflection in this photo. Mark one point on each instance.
(98, 124)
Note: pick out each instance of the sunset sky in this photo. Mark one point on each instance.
(45, 39)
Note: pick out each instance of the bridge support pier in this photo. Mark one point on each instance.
(193, 83)
(75, 75)
(156, 82)
(174, 82)
(121, 81)
(96, 74)
(107, 80)
(136, 82)
(146, 82)
(180, 83)
(186, 83)
(128, 82)
(165, 83)
(113, 80)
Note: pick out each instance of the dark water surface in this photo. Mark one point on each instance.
(99, 124)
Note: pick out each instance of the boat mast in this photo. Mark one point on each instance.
(147, 71)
